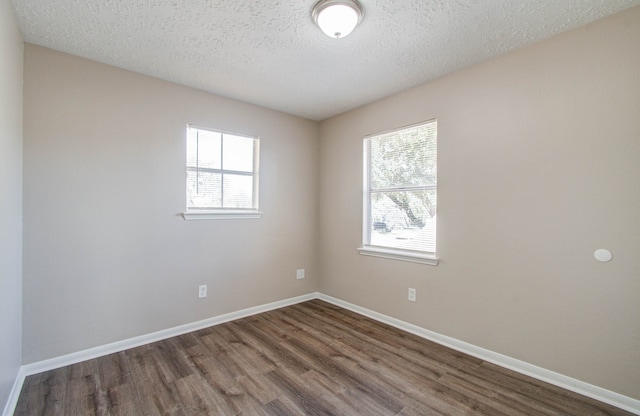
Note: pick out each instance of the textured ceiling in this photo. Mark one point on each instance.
(270, 53)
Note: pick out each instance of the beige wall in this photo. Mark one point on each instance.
(106, 254)
(538, 167)
(11, 59)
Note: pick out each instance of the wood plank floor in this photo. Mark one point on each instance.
(313, 358)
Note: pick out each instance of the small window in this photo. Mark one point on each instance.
(222, 174)
(400, 184)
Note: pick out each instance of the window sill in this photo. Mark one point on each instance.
(221, 215)
(402, 255)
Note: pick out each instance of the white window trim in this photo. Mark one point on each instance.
(403, 255)
(221, 215)
(388, 252)
(230, 213)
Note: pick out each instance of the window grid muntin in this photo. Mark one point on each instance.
(254, 174)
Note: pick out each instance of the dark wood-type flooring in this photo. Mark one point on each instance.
(313, 358)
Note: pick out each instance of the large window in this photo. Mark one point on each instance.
(222, 173)
(400, 183)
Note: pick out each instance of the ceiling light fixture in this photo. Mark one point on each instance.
(337, 18)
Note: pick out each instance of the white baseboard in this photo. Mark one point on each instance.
(568, 383)
(76, 357)
(12, 401)
(577, 386)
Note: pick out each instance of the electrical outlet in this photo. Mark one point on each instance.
(412, 294)
(202, 291)
(300, 274)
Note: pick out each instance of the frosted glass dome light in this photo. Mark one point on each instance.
(337, 18)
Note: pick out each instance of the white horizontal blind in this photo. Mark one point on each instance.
(222, 170)
(400, 183)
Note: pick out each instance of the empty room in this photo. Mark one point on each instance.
(331, 207)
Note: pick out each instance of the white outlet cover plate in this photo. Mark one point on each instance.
(202, 291)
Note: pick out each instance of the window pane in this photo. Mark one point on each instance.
(220, 170)
(405, 220)
(404, 158)
(400, 189)
(238, 153)
(238, 191)
(203, 148)
(203, 189)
